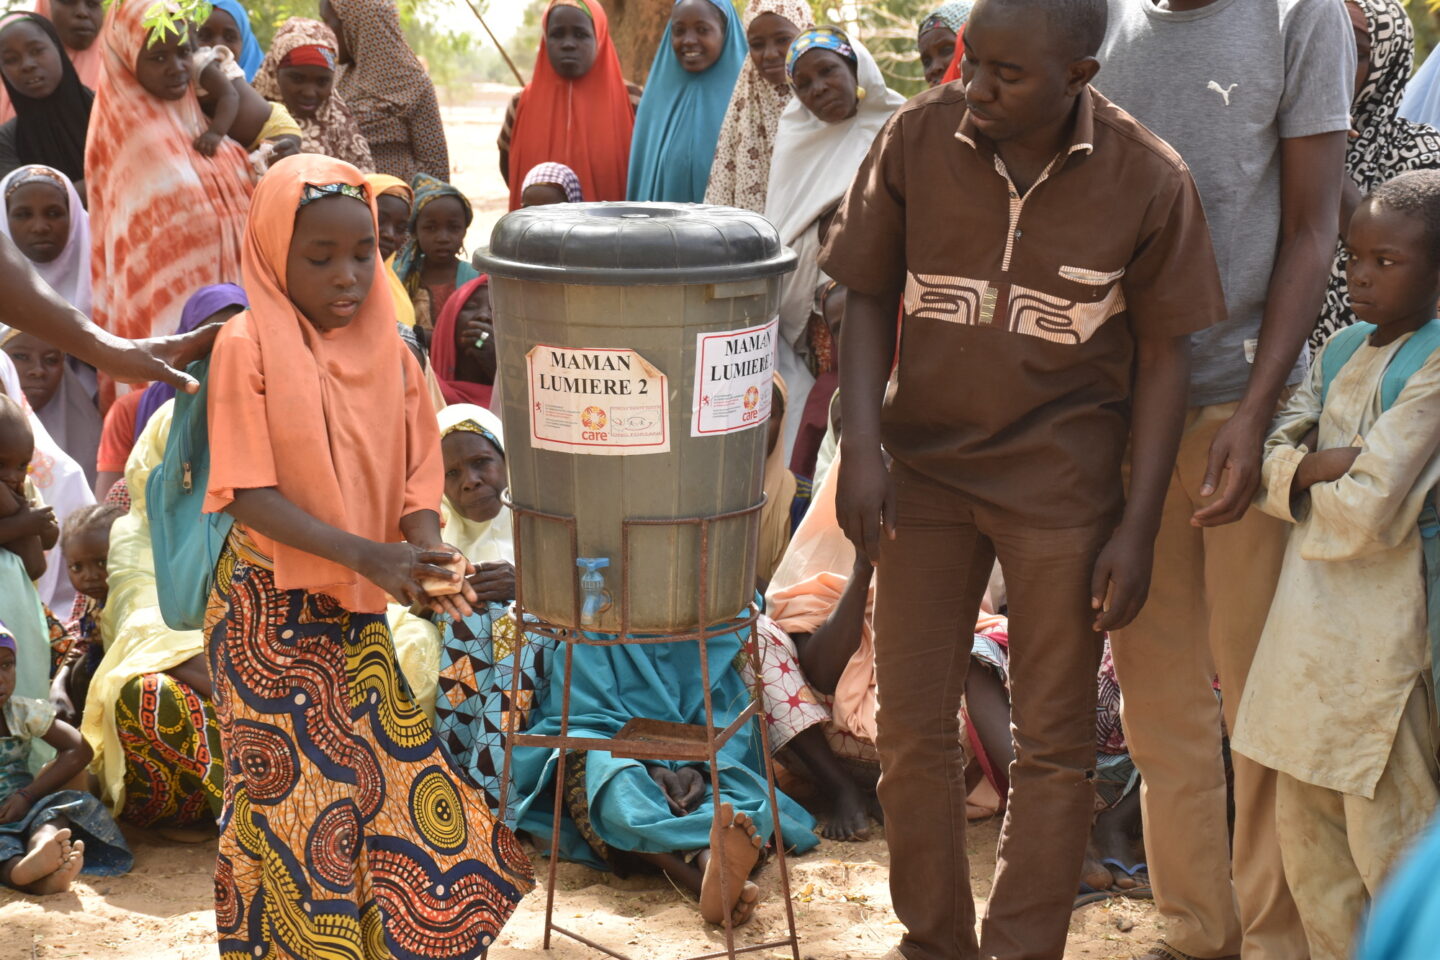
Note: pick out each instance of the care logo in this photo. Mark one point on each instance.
(752, 398)
(593, 418)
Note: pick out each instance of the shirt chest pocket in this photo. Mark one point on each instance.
(1088, 284)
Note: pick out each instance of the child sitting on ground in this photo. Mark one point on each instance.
(45, 830)
(1339, 699)
(236, 110)
(85, 543)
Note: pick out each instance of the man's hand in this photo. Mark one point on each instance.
(1233, 468)
(159, 358)
(1121, 581)
(865, 500)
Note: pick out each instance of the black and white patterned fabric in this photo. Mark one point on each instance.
(1387, 145)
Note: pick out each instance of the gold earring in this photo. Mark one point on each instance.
(859, 93)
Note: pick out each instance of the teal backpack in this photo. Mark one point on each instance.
(1409, 358)
(186, 542)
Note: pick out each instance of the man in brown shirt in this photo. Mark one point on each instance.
(1051, 258)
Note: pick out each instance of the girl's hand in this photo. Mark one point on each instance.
(14, 807)
(208, 142)
(398, 568)
(494, 582)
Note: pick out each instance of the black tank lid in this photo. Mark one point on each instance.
(634, 244)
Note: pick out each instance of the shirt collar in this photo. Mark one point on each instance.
(1082, 137)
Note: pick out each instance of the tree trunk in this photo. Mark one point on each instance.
(636, 27)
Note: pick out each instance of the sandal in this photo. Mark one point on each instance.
(1089, 895)
(1129, 871)
(1163, 951)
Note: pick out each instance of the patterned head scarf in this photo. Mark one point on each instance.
(1386, 145)
(143, 172)
(819, 38)
(951, 16)
(7, 640)
(385, 77)
(558, 175)
(52, 131)
(332, 131)
(427, 189)
(741, 170)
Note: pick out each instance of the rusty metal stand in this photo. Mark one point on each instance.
(649, 740)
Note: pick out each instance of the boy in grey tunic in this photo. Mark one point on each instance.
(1255, 96)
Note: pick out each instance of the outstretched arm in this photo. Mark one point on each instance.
(30, 305)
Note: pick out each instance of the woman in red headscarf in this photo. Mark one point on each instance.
(577, 109)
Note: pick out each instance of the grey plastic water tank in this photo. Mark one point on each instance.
(636, 345)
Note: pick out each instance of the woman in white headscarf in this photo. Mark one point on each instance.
(841, 103)
(43, 210)
(67, 272)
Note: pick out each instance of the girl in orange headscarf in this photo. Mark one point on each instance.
(165, 220)
(326, 452)
(577, 109)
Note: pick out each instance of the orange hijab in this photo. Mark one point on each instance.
(336, 421)
(164, 220)
(87, 64)
(585, 124)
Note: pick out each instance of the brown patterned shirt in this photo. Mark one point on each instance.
(1021, 313)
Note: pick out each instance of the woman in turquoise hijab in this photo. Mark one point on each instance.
(229, 25)
(686, 96)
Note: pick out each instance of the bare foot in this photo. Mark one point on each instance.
(734, 833)
(1096, 875)
(45, 855)
(60, 880)
(849, 820)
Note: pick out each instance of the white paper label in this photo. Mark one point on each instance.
(597, 400)
(734, 373)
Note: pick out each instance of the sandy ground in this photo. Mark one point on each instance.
(163, 909)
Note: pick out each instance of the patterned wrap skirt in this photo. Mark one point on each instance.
(174, 771)
(346, 830)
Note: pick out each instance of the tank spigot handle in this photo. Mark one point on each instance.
(595, 598)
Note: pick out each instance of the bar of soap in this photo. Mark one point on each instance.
(435, 587)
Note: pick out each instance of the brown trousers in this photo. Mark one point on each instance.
(930, 581)
(1209, 596)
